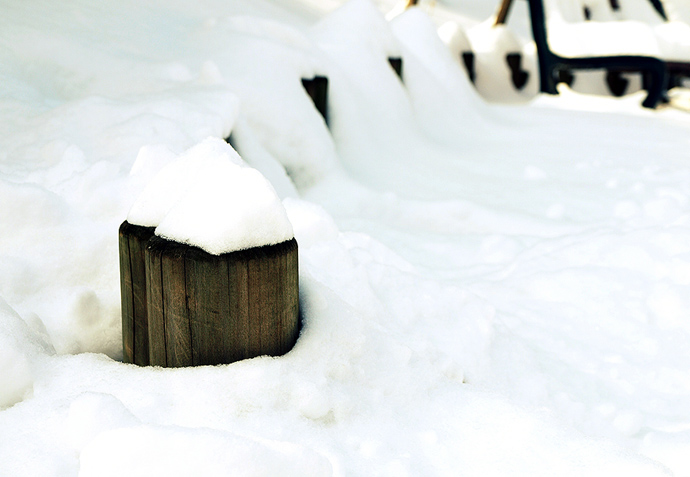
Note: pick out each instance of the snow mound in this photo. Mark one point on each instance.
(177, 451)
(211, 199)
(19, 349)
(355, 21)
(230, 208)
(94, 413)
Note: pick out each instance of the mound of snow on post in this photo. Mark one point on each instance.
(19, 349)
(211, 199)
(231, 208)
(171, 183)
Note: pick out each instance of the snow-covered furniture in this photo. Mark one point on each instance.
(671, 34)
(491, 54)
(135, 331)
(568, 38)
(495, 48)
(458, 43)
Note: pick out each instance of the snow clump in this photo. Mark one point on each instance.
(211, 199)
(19, 349)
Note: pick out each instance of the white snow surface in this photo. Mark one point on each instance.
(232, 208)
(163, 192)
(486, 289)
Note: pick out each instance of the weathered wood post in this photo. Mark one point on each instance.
(518, 76)
(135, 335)
(468, 61)
(211, 276)
(397, 65)
(317, 89)
(215, 309)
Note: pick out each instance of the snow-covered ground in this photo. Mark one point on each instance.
(486, 289)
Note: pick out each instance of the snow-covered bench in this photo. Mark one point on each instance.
(671, 36)
(598, 34)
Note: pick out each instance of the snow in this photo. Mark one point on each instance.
(19, 348)
(486, 289)
(177, 451)
(231, 208)
(210, 199)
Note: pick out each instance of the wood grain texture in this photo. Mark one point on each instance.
(137, 245)
(273, 295)
(215, 309)
(271, 307)
(317, 89)
(126, 296)
(178, 338)
(238, 292)
(255, 294)
(290, 311)
(209, 308)
(132, 242)
(156, 313)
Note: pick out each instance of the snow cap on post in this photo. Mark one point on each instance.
(227, 209)
(166, 188)
(211, 199)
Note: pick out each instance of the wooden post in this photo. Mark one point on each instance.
(397, 65)
(587, 13)
(132, 243)
(468, 61)
(317, 89)
(215, 309)
(518, 75)
(659, 7)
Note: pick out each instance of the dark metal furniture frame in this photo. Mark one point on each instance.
(551, 65)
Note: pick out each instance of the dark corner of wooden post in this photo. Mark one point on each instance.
(468, 61)
(232, 141)
(397, 65)
(317, 89)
